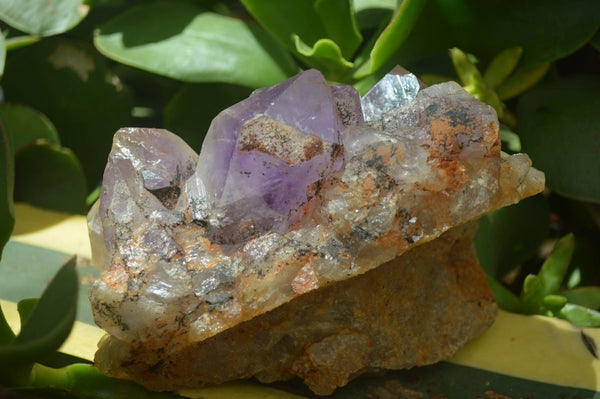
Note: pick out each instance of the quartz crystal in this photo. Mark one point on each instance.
(307, 239)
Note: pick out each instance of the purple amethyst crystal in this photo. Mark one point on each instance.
(263, 158)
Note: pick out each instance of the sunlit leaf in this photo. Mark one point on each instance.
(559, 126)
(50, 322)
(41, 17)
(51, 177)
(325, 55)
(522, 80)
(501, 66)
(310, 21)
(2, 53)
(182, 41)
(580, 316)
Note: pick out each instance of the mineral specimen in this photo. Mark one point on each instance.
(307, 239)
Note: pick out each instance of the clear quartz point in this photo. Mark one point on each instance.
(393, 91)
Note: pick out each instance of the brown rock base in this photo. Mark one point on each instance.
(418, 309)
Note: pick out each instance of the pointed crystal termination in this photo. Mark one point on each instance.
(262, 159)
(395, 90)
(294, 199)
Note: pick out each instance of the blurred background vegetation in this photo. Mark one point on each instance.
(74, 71)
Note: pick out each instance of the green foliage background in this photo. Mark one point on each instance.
(74, 71)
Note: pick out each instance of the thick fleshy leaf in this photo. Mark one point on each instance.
(50, 322)
(50, 177)
(41, 17)
(181, 41)
(511, 235)
(392, 37)
(584, 296)
(325, 55)
(546, 29)
(191, 110)
(559, 125)
(555, 267)
(27, 125)
(580, 316)
(7, 174)
(504, 297)
(69, 83)
(310, 21)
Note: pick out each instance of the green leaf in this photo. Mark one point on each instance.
(40, 17)
(190, 111)
(27, 125)
(2, 53)
(325, 55)
(7, 175)
(50, 322)
(588, 297)
(50, 177)
(310, 20)
(559, 125)
(25, 308)
(371, 13)
(555, 267)
(547, 30)
(532, 295)
(340, 26)
(392, 37)
(522, 80)
(181, 41)
(554, 303)
(6, 333)
(501, 66)
(16, 42)
(504, 297)
(84, 100)
(580, 316)
(511, 235)
(510, 138)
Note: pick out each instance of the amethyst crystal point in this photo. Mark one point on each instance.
(141, 187)
(263, 158)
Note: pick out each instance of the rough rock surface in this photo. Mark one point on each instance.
(417, 309)
(294, 203)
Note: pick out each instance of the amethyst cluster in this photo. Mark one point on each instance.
(296, 188)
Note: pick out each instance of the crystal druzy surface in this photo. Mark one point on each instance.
(295, 190)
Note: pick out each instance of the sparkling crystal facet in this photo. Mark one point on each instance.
(395, 90)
